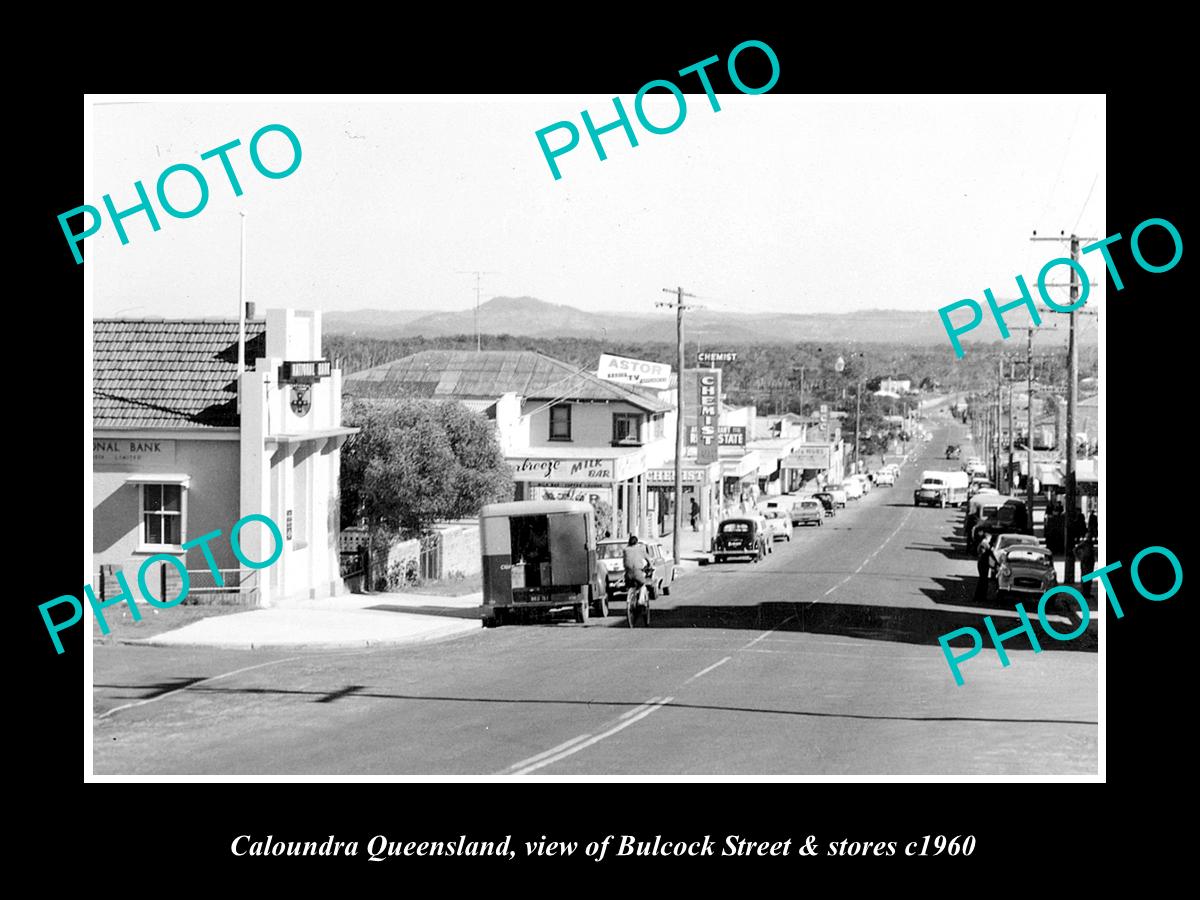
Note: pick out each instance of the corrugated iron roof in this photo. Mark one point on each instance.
(467, 374)
(169, 373)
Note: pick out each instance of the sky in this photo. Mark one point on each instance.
(776, 203)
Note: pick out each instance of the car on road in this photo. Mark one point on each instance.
(1002, 543)
(1026, 569)
(828, 501)
(953, 451)
(740, 536)
(885, 476)
(610, 554)
(979, 485)
(997, 517)
(853, 488)
(838, 493)
(808, 511)
(866, 482)
(779, 525)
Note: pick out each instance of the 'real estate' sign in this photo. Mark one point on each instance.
(727, 436)
(633, 371)
(132, 451)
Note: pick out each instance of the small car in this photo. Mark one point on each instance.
(827, 500)
(808, 511)
(779, 525)
(979, 485)
(885, 476)
(865, 481)
(1026, 568)
(610, 555)
(853, 488)
(740, 536)
(1001, 543)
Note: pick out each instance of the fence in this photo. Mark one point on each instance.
(452, 549)
(237, 587)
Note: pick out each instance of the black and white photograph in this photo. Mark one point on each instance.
(701, 432)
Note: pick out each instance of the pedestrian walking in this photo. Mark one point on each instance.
(695, 513)
(983, 565)
(1021, 520)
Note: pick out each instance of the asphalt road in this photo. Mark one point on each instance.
(822, 659)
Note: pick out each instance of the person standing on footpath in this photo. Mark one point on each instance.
(694, 512)
(1085, 552)
(983, 565)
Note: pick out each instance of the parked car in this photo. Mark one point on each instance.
(808, 511)
(828, 501)
(740, 536)
(885, 476)
(1000, 522)
(1027, 568)
(611, 556)
(779, 525)
(979, 484)
(853, 488)
(864, 481)
(838, 493)
(1001, 543)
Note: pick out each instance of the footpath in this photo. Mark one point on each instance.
(352, 620)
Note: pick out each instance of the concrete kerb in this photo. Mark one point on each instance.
(372, 620)
(446, 633)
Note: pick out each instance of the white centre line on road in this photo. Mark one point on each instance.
(903, 522)
(186, 687)
(563, 746)
(576, 745)
(709, 669)
(767, 633)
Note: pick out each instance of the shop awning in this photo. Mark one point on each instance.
(158, 478)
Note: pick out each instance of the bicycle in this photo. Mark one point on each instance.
(637, 600)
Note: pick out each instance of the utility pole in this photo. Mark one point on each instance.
(1028, 329)
(478, 274)
(998, 434)
(1012, 427)
(857, 421)
(1029, 428)
(1072, 389)
(679, 311)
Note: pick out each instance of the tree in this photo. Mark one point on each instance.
(415, 462)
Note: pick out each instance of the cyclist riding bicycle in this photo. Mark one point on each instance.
(637, 565)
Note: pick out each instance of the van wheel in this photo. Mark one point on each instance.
(602, 606)
(581, 613)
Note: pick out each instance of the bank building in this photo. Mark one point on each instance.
(197, 423)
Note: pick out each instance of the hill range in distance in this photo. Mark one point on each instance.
(536, 318)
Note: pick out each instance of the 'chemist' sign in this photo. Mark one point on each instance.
(708, 413)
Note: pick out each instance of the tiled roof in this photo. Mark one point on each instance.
(168, 373)
(467, 374)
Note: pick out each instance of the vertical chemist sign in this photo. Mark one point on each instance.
(708, 413)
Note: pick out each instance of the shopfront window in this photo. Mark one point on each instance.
(560, 422)
(162, 515)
